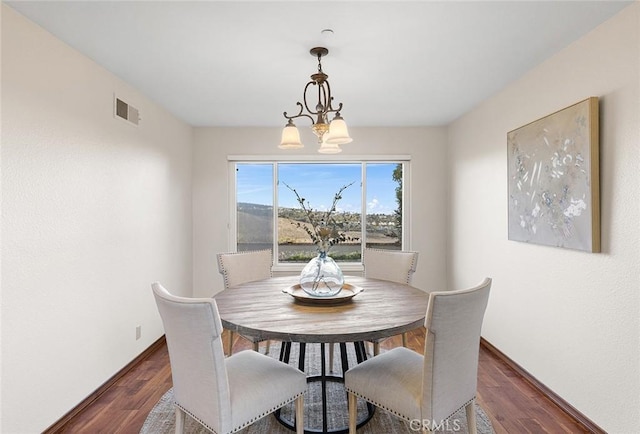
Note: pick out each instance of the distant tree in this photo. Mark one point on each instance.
(397, 177)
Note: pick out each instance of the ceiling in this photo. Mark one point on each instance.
(391, 63)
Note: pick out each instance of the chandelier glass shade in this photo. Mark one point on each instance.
(330, 135)
(290, 137)
(328, 148)
(338, 132)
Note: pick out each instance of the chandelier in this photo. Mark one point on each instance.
(330, 135)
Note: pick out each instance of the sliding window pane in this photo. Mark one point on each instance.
(254, 202)
(384, 205)
(317, 184)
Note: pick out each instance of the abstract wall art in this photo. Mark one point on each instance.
(553, 184)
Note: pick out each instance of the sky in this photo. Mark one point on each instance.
(318, 184)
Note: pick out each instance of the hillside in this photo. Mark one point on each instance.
(254, 226)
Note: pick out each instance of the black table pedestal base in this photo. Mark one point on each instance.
(324, 378)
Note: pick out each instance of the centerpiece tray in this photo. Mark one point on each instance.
(345, 295)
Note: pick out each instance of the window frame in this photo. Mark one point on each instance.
(233, 160)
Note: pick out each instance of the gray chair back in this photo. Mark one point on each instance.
(193, 329)
(393, 265)
(453, 323)
(242, 267)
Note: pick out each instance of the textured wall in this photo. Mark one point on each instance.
(93, 211)
(570, 318)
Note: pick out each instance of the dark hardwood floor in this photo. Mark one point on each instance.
(512, 404)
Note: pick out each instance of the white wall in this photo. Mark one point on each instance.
(93, 211)
(211, 199)
(570, 318)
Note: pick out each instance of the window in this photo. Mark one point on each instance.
(268, 214)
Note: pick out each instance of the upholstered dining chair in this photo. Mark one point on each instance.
(393, 265)
(242, 267)
(224, 394)
(430, 387)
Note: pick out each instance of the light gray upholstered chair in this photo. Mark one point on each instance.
(433, 386)
(242, 267)
(392, 265)
(222, 394)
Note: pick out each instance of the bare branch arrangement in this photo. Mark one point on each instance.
(325, 230)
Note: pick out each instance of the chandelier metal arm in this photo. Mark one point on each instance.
(329, 101)
(299, 115)
(332, 110)
(324, 98)
(320, 93)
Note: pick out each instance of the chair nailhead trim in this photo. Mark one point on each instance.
(402, 416)
(194, 417)
(244, 425)
(225, 271)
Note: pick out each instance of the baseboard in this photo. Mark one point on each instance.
(570, 410)
(58, 426)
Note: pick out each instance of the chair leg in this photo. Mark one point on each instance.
(179, 420)
(376, 348)
(256, 346)
(267, 346)
(470, 409)
(331, 350)
(300, 414)
(353, 412)
(404, 340)
(230, 345)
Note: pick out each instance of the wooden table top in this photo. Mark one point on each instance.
(261, 310)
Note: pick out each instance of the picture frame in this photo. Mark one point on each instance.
(554, 181)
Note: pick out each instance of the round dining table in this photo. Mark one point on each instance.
(366, 310)
(262, 310)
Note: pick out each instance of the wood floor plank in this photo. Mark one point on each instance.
(512, 404)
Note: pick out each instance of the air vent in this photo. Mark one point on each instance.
(126, 112)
